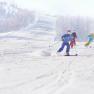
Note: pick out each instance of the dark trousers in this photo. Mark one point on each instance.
(62, 47)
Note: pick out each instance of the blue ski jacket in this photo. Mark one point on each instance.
(66, 38)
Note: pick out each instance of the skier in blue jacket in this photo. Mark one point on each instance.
(66, 38)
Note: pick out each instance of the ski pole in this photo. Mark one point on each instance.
(53, 44)
(76, 52)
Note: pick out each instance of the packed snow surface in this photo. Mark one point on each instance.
(29, 65)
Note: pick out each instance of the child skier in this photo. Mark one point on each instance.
(66, 38)
(90, 39)
(73, 41)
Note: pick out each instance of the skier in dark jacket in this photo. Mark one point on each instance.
(66, 38)
(73, 41)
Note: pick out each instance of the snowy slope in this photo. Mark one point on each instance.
(27, 68)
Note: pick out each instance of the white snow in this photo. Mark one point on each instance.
(28, 65)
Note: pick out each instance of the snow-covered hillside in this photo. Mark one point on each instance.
(28, 65)
(7, 10)
(14, 18)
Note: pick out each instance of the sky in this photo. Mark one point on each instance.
(58, 7)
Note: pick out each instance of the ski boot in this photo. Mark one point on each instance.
(67, 54)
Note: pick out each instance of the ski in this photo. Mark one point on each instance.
(72, 55)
